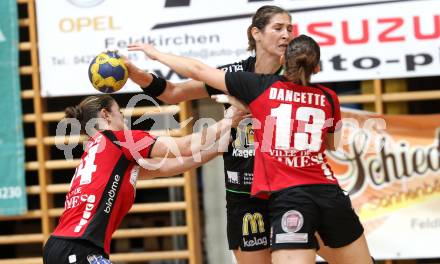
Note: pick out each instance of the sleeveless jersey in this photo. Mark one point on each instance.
(102, 190)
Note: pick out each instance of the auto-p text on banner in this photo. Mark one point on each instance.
(360, 40)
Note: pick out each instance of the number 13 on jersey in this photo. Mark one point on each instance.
(309, 138)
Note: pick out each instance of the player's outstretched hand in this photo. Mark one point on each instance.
(228, 99)
(236, 115)
(137, 75)
(148, 49)
(130, 66)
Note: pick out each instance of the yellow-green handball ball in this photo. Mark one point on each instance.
(107, 72)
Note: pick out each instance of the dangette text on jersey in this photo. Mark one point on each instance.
(103, 187)
(293, 123)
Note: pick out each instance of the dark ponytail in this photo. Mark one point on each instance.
(302, 56)
(73, 112)
(89, 108)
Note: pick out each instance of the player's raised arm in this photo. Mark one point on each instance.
(166, 91)
(188, 67)
(218, 133)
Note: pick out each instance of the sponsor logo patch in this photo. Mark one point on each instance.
(233, 177)
(244, 141)
(291, 238)
(72, 258)
(253, 224)
(97, 259)
(255, 221)
(292, 221)
(262, 241)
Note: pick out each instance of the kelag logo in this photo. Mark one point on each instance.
(85, 3)
(256, 223)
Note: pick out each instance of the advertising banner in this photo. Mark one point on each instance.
(360, 40)
(12, 174)
(391, 167)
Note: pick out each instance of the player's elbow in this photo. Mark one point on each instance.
(184, 145)
(163, 169)
(197, 71)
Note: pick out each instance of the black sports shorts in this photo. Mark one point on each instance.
(298, 212)
(73, 251)
(248, 224)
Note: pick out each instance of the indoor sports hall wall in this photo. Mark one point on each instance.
(164, 223)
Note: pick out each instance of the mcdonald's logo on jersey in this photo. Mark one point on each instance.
(255, 221)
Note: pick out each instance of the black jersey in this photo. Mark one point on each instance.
(239, 159)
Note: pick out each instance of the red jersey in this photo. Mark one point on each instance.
(102, 190)
(290, 123)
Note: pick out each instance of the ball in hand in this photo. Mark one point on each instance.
(107, 72)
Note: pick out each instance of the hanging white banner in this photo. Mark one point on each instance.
(360, 40)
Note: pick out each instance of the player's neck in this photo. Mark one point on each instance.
(266, 63)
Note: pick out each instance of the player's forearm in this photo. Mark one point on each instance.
(184, 66)
(217, 133)
(188, 67)
(183, 91)
(174, 92)
(173, 166)
(193, 69)
(138, 76)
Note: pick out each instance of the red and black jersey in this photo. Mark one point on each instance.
(291, 124)
(102, 190)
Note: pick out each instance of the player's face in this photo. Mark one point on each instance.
(117, 118)
(276, 35)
